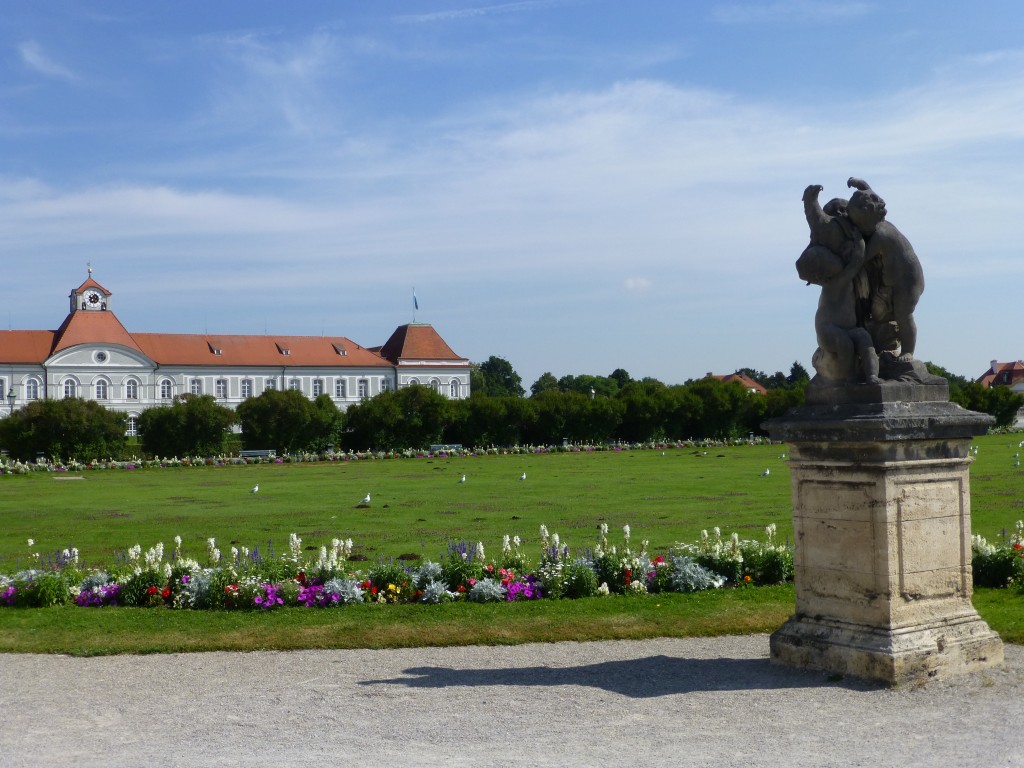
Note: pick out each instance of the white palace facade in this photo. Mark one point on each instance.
(93, 356)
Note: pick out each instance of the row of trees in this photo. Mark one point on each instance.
(574, 408)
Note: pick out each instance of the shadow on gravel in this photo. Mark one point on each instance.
(637, 678)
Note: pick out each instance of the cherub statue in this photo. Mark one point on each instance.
(893, 271)
(835, 261)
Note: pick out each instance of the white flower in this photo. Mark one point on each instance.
(516, 540)
(506, 544)
(543, 533)
(625, 532)
(555, 541)
(603, 589)
(177, 542)
(479, 553)
(31, 542)
(604, 529)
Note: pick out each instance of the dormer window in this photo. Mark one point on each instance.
(215, 349)
(283, 350)
(340, 349)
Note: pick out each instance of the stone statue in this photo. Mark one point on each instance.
(870, 282)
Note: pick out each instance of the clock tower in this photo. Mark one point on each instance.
(90, 296)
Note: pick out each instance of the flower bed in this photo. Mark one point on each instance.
(244, 579)
(13, 467)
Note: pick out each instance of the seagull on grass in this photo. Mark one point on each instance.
(766, 473)
(255, 488)
(366, 499)
(462, 479)
(522, 476)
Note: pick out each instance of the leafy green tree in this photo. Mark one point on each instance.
(621, 377)
(288, 421)
(191, 425)
(646, 405)
(1000, 402)
(798, 376)
(545, 383)
(412, 417)
(723, 407)
(497, 378)
(69, 428)
(586, 384)
(956, 383)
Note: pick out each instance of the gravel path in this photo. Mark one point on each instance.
(692, 702)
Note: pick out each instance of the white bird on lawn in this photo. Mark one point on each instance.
(366, 499)
(1016, 463)
(255, 488)
(766, 473)
(522, 476)
(462, 479)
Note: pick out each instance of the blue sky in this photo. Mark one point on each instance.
(574, 185)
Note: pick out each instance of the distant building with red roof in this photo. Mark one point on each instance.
(92, 355)
(748, 383)
(1004, 375)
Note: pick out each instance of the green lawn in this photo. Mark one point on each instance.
(418, 505)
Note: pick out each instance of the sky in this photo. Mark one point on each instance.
(573, 185)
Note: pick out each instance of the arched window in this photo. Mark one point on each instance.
(133, 426)
(131, 389)
(166, 389)
(70, 388)
(453, 388)
(413, 382)
(31, 389)
(100, 389)
(435, 385)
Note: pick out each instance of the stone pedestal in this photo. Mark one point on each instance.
(882, 527)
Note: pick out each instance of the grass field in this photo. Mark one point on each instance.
(418, 505)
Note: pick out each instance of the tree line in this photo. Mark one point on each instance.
(577, 409)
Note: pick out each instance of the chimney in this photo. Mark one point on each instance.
(995, 366)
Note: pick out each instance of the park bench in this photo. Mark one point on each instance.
(268, 453)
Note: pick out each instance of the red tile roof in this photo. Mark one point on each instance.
(418, 341)
(25, 346)
(90, 283)
(1005, 374)
(88, 327)
(747, 382)
(195, 349)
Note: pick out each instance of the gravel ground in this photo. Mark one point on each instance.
(692, 702)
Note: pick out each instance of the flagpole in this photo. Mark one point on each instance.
(415, 304)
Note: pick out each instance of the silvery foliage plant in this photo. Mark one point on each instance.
(688, 576)
(487, 591)
(347, 590)
(436, 592)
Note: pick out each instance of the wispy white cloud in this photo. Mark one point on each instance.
(486, 10)
(33, 56)
(636, 285)
(788, 11)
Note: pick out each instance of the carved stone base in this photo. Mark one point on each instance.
(882, 535)
(949, 646)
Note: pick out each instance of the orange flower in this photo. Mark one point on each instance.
(747, 578)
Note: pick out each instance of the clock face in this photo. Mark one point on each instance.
(93, 300)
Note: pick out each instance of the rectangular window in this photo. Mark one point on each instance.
(133, 426)
(271, 384)
(294, 384)
(318, 387)
(221, 388)
(246, 389)
(339, 388)
(364, 389)
(196, 387)
(3, 389)
(384, 385)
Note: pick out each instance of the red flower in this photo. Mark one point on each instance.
(166, 593)
(373, 590)
(301, 578)
(462, 588)
(152, 591)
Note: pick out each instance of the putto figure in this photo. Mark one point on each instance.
(871, 280)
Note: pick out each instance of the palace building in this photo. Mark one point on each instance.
(93, 356)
